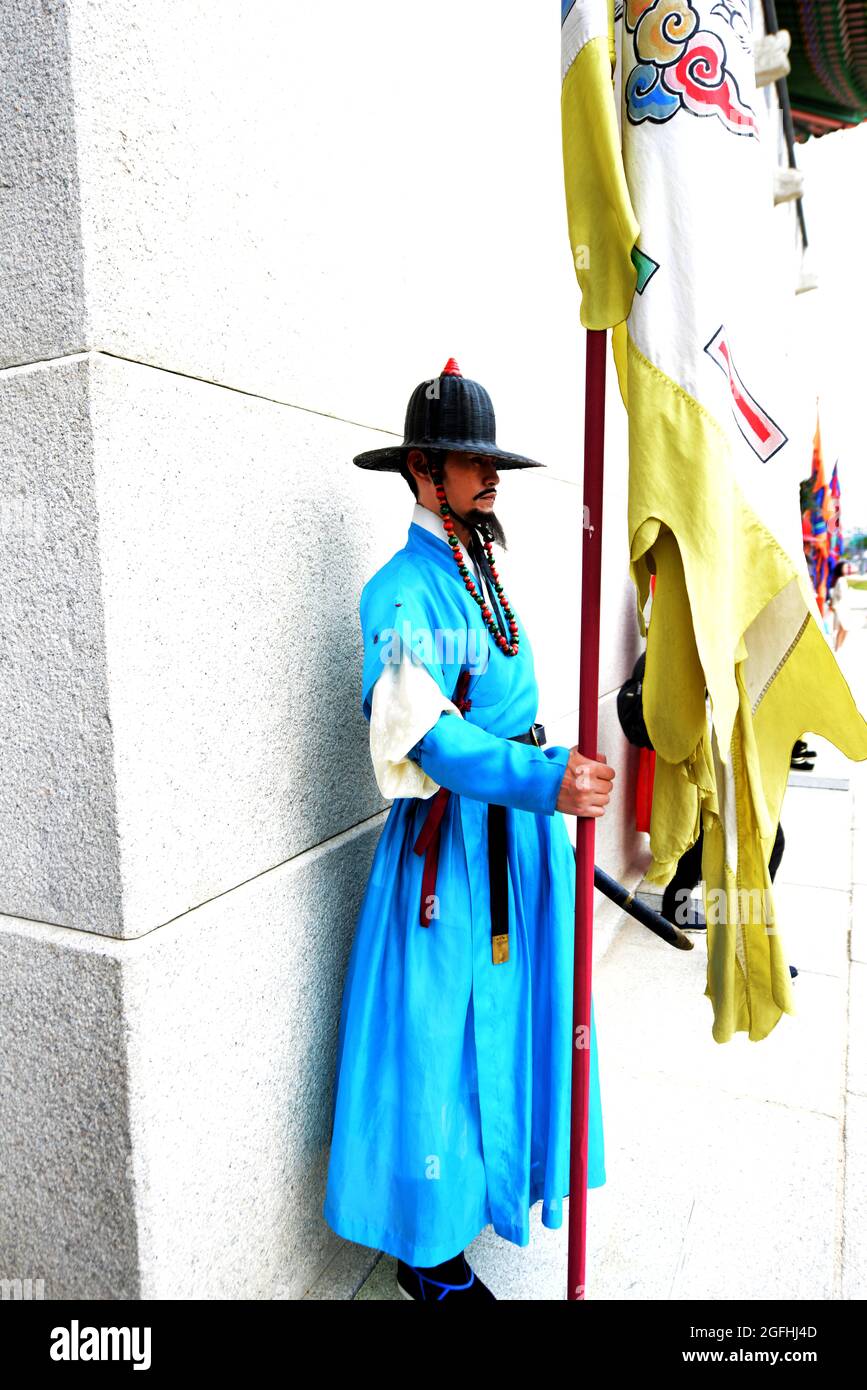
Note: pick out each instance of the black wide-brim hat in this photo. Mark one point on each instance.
(449, 412)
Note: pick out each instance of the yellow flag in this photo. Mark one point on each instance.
(665, 147)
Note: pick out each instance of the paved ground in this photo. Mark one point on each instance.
(735, 1171)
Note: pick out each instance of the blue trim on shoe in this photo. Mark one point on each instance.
(446, 1288)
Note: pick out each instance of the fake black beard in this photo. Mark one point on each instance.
(478, 517)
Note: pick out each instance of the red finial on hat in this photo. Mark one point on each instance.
(451, 368)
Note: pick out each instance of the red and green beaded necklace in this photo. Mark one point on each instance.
(508, 648)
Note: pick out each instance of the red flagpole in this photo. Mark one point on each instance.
(585, 844)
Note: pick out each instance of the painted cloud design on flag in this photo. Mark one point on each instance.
(680, 66)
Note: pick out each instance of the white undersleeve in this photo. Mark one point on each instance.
(405, 704)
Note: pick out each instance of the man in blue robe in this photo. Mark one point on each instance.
(451, 1105)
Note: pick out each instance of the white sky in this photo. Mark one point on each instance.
(833, 318)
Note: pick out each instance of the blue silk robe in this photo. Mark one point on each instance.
(451, 1106)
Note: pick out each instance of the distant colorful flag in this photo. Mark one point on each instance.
(835, 524)
(820, 516)
(674, 245)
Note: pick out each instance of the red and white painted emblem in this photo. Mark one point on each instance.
(763, 434)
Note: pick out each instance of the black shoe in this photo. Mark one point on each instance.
(803, 759)
(424, 1288)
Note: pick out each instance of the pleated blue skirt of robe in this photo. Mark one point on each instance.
(451, 1102)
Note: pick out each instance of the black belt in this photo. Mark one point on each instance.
(498, 862)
